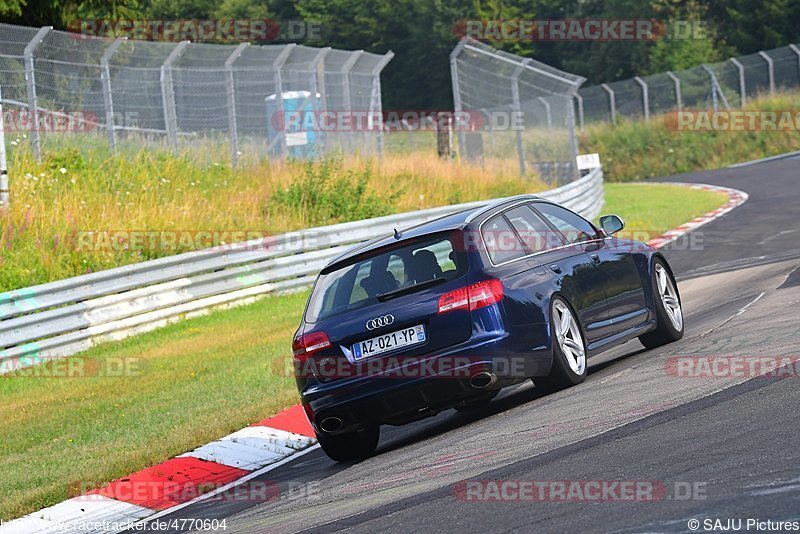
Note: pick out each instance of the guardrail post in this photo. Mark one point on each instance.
(742, 89)
(547, 113)
(770, 70)
(231, 100)
(611, 101)
(579, 98)
(348, 98)
(376, 100)
(457, 105)
(277, 65)
(168, 95)
(677, 82)
(108, 102)
(645, 97)
(796, 51)
(5, 197)
(517, 107)
(31, 85)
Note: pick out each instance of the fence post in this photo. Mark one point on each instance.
(231, 100)
(277, 65)
(5, 197)
(796, 51)
(377, 98)
(168, 95)
(319, 77)
(314, 66)
(611, 101)
(645, 97)
(579, 98)
(742, 89)
(677, 82)
(547, 113)
(517, 107)
(715, 87)
(573, 141)
(457, 106)
(31, 83)
(348, 97)
(108, 102)
(770, 70)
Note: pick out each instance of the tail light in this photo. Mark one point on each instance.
(472, 297)
(306, 345)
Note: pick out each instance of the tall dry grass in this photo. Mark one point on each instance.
(76, 190)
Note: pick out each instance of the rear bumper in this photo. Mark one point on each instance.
(424, 386)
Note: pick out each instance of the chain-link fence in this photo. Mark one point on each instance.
(521, 112)
(723, 85)
(252, 100)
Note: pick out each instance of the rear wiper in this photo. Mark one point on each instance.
(410, 289)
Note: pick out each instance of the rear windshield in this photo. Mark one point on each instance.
(358, 285)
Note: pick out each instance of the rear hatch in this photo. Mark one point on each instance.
(396, 304)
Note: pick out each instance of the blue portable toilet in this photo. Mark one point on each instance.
(302, 113)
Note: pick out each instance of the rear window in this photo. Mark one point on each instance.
(359, 284)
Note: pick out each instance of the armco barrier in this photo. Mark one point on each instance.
(64, 317)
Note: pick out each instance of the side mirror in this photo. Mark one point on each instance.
(611, 224)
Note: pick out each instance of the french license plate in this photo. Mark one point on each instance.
(413, 335)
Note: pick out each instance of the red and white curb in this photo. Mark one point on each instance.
(735, 199)
(219, 466)
(200, 474)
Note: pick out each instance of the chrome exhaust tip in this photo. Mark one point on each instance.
(331, 424)
(482, 380)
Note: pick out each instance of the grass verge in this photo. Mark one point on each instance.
(634, 150)
(194, 381)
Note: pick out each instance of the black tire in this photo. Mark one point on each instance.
(476, 404)
(561, 374)
(352, 446)
(665, 331)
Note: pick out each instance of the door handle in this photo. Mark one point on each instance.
(555, 268)
(595, 258)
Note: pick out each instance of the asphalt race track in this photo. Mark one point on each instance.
(732, 440)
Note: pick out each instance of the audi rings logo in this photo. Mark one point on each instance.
(379, 322)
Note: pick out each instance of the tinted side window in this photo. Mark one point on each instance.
(536, 235)
(574, 228)
(501, 242)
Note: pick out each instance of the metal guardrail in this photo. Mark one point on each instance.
(64, 317)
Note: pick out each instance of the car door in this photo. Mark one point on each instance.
(580, 280)
(617, 275)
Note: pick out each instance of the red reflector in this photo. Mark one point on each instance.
(307, 344)
(472, 297)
